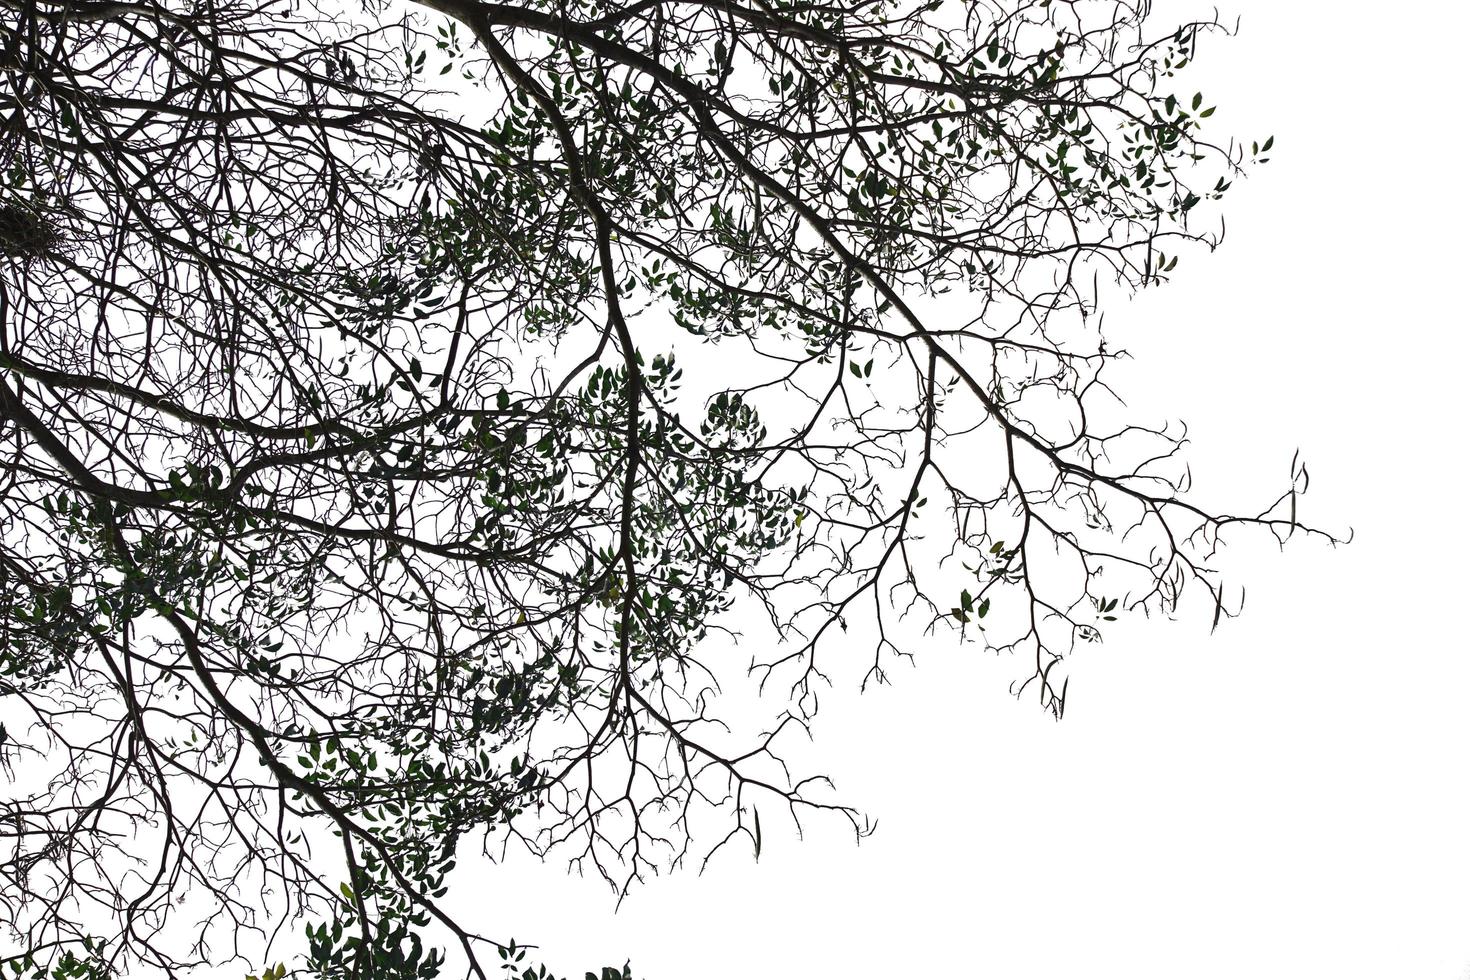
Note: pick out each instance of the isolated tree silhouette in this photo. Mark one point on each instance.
(396, 398)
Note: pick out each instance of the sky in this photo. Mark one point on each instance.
(1286, 798)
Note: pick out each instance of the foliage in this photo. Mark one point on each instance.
(357, 504)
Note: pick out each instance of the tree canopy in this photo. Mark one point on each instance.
(403, 405)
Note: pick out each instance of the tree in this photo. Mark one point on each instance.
(358, 507)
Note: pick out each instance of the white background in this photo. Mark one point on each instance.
(1288, 798)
